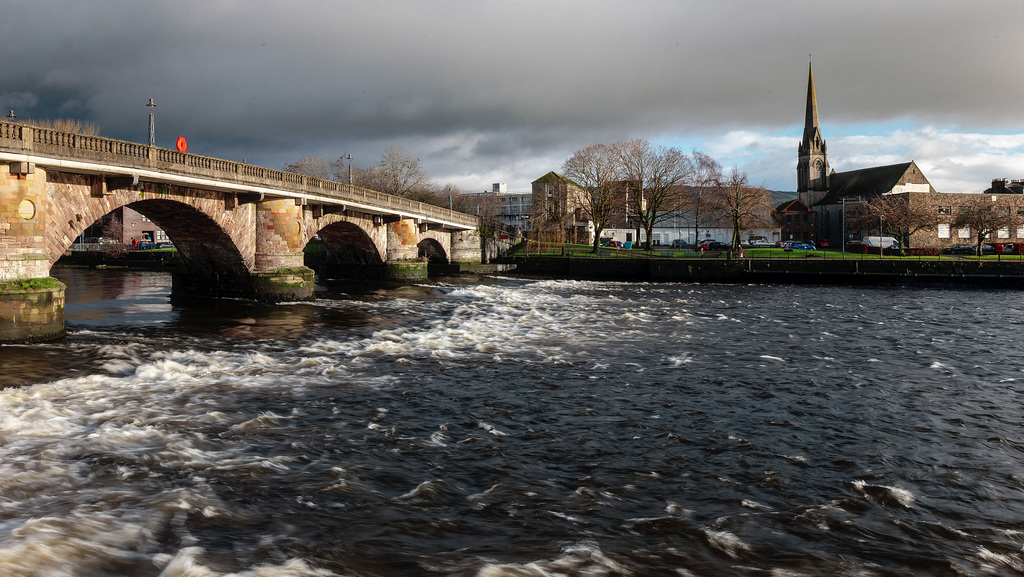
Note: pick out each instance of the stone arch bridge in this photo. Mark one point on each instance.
(240, 229)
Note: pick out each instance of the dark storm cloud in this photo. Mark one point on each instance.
(502, 90)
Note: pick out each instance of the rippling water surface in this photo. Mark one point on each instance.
(504, 427)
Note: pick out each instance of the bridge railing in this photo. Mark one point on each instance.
(26, 139)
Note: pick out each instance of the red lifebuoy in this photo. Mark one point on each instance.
(182, 144)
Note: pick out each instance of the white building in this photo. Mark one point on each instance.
(681, 227)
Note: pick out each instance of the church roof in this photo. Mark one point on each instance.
(864, 183)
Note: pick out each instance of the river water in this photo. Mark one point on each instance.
(506, 427)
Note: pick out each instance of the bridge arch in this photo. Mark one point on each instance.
(211, 240)
(351, 252)
(205, 247)
(432, 250)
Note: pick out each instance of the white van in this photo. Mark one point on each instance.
(882, 241)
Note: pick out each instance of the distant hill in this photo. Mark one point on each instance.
(781, 196)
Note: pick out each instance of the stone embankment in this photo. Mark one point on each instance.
(1006, 273)
(144, 259)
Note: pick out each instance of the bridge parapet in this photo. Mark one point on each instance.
(29, 140)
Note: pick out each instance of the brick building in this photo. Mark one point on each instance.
(796, 221)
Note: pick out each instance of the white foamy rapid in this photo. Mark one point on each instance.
(95, 471)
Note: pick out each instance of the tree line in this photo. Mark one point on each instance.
(649, 184)
(396, 172)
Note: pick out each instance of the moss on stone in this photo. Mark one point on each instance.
(29, 284)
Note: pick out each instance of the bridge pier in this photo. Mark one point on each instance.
(280, 274)
(466, 247)
(404, 262)
(31, 303)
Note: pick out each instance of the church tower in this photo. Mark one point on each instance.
(812, 164)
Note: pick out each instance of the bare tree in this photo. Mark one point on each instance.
(114, 227)
(398, 173)
(740, 205)
(597, 171)
(311, 165)
(983, 216)
(896, 215)
(653, 175)
(707, 173)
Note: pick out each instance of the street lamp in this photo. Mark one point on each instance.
(844, 200)
(349, 169)
(880, 248)
(152, 131)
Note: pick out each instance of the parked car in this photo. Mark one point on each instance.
(797, 245)
(144, 245)
(761, 243)
(680, 243)
(960, 249)
(613, 244)
(713, 245)
(1000, 248)
(882, 241)
(165, 244)
(824, 243)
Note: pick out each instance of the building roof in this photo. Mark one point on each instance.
(792, 206)
(864, 183)
(553, 177)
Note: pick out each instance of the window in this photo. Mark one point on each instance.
(963, 232)
(945, 210)
(943, 231)
(1020, 232)
(1003, 233)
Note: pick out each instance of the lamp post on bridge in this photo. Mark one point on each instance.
(152, 129)
(350, 169)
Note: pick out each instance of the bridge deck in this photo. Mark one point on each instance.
(69, 152)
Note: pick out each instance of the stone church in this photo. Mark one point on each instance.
(826, 193)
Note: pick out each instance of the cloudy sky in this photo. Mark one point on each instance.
(487, 91)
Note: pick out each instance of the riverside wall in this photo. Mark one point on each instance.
(1009, 274)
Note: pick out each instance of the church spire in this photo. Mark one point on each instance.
(812, 160)
(811, 121)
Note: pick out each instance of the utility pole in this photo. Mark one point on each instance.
(152, 129)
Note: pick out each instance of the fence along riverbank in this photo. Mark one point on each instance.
(983, 273)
